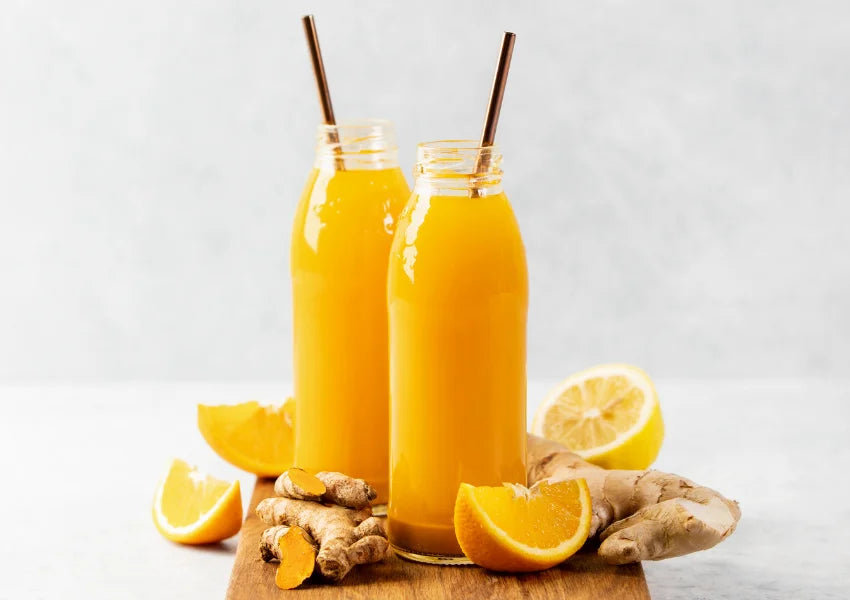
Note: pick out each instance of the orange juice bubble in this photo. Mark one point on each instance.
(458, 298)
(340, 249)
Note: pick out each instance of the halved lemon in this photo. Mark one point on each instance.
(258, 439)
(609, 415)
(516, 529)
(191, 507)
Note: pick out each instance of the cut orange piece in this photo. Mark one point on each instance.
(258, 439)
(191, 507)
(516, 529)
(609, 415)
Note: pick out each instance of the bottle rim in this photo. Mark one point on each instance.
(456, 145)
(359, 127)
(357, 144)
(459, 164)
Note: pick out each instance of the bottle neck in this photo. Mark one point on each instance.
(367, 144)
(458, 168)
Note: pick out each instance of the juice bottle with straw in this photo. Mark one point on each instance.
(339, 254)
(457, 297)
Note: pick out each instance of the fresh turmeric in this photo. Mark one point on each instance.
(326, 486)
(346, 537)
(300, 485)
(295, 550)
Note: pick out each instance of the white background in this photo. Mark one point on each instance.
(679, 170)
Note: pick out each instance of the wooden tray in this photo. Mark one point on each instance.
(584, 576)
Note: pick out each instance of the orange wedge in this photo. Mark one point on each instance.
(516, 529)
(191, 507)
(258, 439)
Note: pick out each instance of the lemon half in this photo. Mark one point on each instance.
(609, 415)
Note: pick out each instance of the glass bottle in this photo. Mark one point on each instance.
(458, 298)
(340, 249)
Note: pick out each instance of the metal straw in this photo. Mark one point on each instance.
(322, 85)
(494, 107)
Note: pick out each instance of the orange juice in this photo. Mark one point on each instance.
(458, 297)
(340, 249)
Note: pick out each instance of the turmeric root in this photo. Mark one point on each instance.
(326, 486)
(295, 550)
(269, 539)
(297, 555)
(300, 485)
(639, 515)
(346, 537)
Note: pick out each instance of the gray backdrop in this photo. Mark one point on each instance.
(679, 170)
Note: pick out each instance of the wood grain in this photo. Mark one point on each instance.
(584, 576)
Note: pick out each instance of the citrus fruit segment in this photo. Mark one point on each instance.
(191, 507)
(516, 529)
(258, 439)
(609, 415)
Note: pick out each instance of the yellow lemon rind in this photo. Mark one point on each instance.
(627, 450)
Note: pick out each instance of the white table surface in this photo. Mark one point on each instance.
(80, 464)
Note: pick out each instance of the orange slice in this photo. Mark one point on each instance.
(191, 507)
(516, 529)
(258, 439)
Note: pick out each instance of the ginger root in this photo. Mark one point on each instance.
(295, 550)
(326, 486)
(639, 515)
(346, 537)
(346, 491)
(269, 550)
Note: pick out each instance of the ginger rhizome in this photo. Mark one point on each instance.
(343, 528)
(326, 486)
(346, 537)
(639, 515)
(295, 550)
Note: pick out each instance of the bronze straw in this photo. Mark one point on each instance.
(497, 93)
(322, 84)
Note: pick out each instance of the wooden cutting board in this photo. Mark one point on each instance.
(584, 576)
